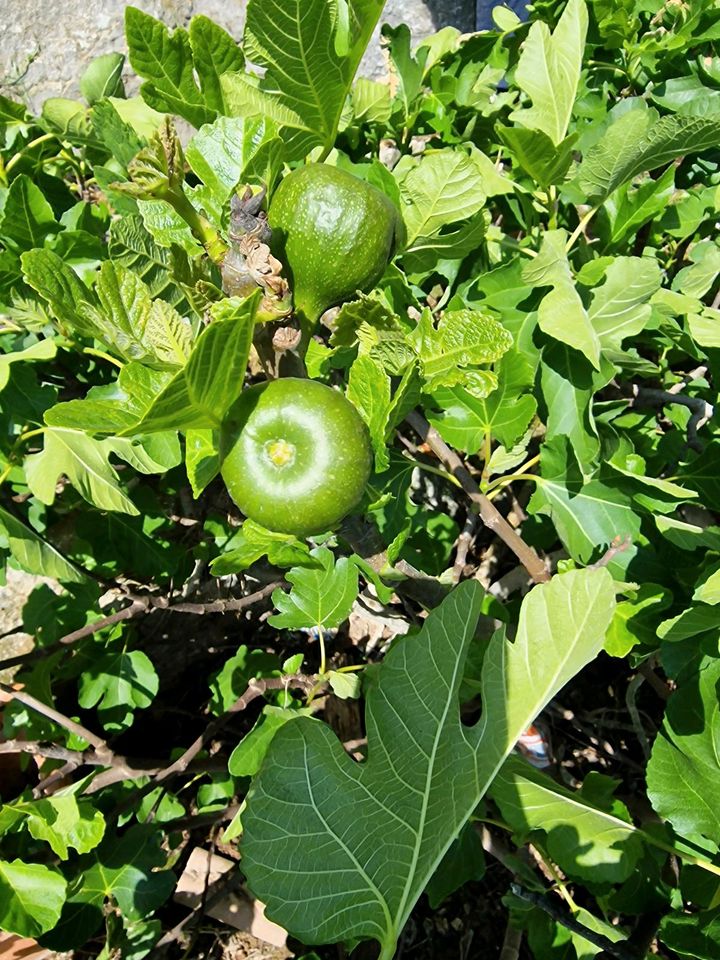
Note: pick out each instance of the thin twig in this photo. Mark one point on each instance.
(39, 707)
(137, 607)
(497, 849)
(255, 688)
(37, 653)
(215, 606)
(55, 776)
(618, 545)
(631, 704)
(657, 683)
(196, 820)
(142, 605)
(117, 773)
(121, 768)
(223, 886)
(118, 769)
(489, 514)
(611, 947)
(208, 869)
(52, 751)
(463, 545)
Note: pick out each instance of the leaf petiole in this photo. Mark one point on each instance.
(103, 356)
(496, 486)
(429, 468)
(681, 854)
(560, 886)
(30, 433)
(514, 244)
(487, 453)
(11, 456)
(14, 160)
(10, 327)
(323, 658)
(387, 950)
(580, 228)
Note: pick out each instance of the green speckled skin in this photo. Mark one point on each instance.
(334, 232)
(332, 456)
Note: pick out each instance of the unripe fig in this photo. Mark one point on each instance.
(334, 232)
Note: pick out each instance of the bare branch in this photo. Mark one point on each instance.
(123, 769)
(631, 703)
(38, 706)
(512, 941)
(36, 653)
(142, 604)
(497, 849)
(463, 545)
(657, 683)
(256, 688)
(221, 888)
(610, 947)
(54, 777)
(619, 545)
(137, 607)
(232, 605)
(52, 751)
(118, 767)
(489, 514)
(197, 820)
(702, 411)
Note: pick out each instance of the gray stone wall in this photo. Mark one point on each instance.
(45, 44)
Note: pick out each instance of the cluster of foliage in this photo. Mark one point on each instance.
(553, 314)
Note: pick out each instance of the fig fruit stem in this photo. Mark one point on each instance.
(201, 227)
(308, 326)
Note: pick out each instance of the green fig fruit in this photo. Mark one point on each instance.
(296, 455)
(334, 232)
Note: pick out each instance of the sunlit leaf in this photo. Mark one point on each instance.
(549, 71)
(31, 897)
(35, 554)
(684, 767)
(425, 771)
(321, 596)
(640, 141)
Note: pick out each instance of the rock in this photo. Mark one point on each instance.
(44, 47)
(13, 595)
(201, 883)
